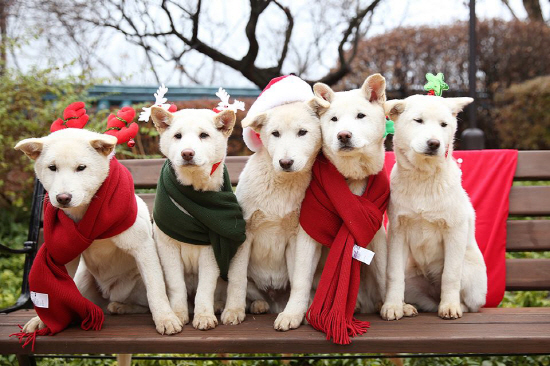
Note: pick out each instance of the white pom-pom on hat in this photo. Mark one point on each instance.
(279, 91)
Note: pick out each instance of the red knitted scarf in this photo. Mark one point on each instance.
(112, 210)
(335, 217)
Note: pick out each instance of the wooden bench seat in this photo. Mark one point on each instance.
(513, 330)
(510, 331)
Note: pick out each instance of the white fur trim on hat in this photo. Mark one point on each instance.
(281, 90)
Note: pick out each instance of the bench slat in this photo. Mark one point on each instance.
(527, 274)
(491, 331)
(533, 165)
(146, 171)
(530, 201)
(528, 235)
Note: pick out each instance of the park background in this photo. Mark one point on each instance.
(113, 53)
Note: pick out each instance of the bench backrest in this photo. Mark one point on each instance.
(528, 231)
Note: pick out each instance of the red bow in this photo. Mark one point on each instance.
(74, 116)
(122, 126)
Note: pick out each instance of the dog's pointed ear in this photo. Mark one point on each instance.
(318, 105)
(374, 88)
(161, 118)
(225, 121)
(458, 104)
(104, 144)
(31, 147)
(323, 91)
(393, 108)
(255, 122)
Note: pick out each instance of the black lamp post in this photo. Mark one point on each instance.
(472, 138)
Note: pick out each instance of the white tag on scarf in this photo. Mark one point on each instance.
(39, 300)
(362, 254)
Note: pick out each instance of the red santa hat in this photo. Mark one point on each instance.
(281, 90)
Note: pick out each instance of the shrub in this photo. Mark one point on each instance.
(522, 115)
(29, 102)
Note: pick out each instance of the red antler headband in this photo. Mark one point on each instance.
(121, 126)
(74, 116)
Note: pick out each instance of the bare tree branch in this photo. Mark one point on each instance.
(343, 63)
(506, 2)
(288, 33)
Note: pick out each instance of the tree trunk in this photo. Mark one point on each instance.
(534, 12)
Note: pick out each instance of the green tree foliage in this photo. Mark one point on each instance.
(29, 102)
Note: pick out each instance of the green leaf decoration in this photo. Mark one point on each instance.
(436, 83)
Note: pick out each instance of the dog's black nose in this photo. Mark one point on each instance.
(344, 136)
(286, 163)
(64, 198)
(433, 144)
(187, 154)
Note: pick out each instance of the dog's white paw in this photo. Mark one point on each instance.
(183, 316)
(233, 316)
(168, 324)
(286, 321)
(450, 311)
(391, 311)
(259, 307)
(205, 321)
(409, 310)
(33, 325)
(218, 306)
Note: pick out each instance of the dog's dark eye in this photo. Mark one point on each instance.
(80, 168)
(204, 135)
(52, 167)
(443, 124)
(334, 119)
(418, 120)
(360, 116)
(276, 133)
(302, 132)
(177, 136)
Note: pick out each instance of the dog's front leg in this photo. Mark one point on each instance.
(235, 305)
(147, 259)
(172, 264)
(394, 305)
(209, 272)
(455, 242)
(302, 261)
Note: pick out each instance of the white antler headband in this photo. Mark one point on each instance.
(160, 101)
(224, 104)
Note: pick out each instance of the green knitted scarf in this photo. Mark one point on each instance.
(216, 217)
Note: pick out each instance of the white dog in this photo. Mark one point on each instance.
(270, 190)
(121, 273)
(434, 261)
(194, 140)
(353, 130)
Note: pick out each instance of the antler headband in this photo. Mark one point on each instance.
(121, 126)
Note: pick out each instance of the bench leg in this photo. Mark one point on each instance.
(26, 360)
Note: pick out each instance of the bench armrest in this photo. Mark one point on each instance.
(28, 246)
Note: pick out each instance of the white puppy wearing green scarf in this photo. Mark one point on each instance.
(198, 223)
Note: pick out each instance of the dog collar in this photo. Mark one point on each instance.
(214, 167)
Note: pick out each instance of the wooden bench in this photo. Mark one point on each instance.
(492, 331)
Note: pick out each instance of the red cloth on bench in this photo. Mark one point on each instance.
(487, 177)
